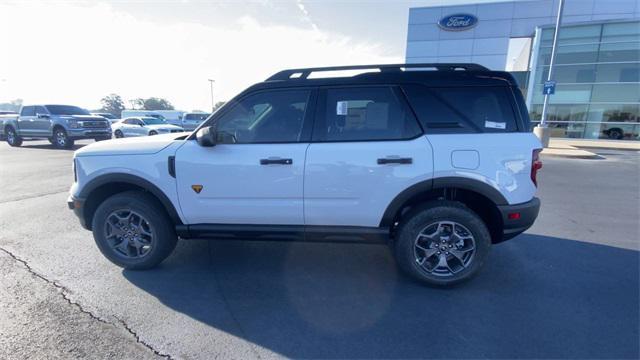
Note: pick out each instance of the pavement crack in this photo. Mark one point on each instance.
(64, 292)
(140, 341)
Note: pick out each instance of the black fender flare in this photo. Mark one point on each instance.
(406, 195)
(105, 179)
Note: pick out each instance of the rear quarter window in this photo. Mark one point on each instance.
(468, 109)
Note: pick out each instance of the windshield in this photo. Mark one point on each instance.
(66, 110)
(107, 116)
(153, 121)
(157, 116)
(196, 116)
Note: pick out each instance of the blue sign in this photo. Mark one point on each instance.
(549, 87)
(458, 22)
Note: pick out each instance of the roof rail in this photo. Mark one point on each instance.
(305, 72)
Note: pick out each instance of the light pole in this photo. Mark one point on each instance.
(211, 81)
(542, 131)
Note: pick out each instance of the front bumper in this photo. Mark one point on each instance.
(77, 205)
(514, 225)
(89, 133)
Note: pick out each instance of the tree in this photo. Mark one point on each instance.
(112, 104)
(218, 105)
(154, 103)
(13, 105)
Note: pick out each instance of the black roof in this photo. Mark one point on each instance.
(438, 74)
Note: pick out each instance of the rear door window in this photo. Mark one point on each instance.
(41, 110)
(365, 113)
(479, 109)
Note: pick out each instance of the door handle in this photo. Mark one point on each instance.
(390, 160)
(276, 161)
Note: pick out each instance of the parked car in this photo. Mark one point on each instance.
(112, 118)
(60, 124)
(190, 121)
(173, 117)
(143, 126)
(147, 113)
(438, 164)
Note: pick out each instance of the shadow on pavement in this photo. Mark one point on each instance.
(537, 297)
(47, 146)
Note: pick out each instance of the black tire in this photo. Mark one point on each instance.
(164, 237)
(61, 139)
(615, 133)
(13, 139)
(153, 132)
(118, 134)
(423, 218)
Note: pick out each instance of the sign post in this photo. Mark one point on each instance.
(542, 131)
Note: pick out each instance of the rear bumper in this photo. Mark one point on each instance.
(77, 205)
(514, 225)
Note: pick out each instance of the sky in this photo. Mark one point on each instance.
(76, 52)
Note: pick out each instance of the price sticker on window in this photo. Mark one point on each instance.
(342, 108)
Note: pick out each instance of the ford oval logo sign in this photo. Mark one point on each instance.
(458, 22)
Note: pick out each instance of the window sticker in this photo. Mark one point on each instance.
(495, 125)
(342, 108)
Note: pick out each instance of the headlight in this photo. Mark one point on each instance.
(74, 124)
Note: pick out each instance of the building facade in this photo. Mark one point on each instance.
(598, 60)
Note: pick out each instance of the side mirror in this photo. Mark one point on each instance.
(42, 116)
(141, 124)
(206, 136)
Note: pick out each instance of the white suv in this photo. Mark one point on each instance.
(438, 162)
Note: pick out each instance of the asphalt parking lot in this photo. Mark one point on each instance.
(568, 288)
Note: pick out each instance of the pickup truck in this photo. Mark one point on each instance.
(60, 124)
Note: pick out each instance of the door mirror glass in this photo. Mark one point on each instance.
(206, 136)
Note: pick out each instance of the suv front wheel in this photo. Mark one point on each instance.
(133, 231)
(442, 243)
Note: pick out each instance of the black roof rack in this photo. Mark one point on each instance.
(305, 72)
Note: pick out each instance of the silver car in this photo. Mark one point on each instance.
(143, 126)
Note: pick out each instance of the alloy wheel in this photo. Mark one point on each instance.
(444, 248)
(61, 138)
(128, 234)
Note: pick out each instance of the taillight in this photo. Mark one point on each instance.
(536, 165)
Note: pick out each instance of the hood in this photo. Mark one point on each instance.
(82, 117)
(164, 126)
(129, 146)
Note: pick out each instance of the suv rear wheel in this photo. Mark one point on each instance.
(12, 138)
(61, 139)
(133, 231)
(442, 243)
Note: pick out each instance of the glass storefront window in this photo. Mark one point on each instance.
(629, 72)
(598, 81)
(629, 31)
(624, 51)
(570, 54)
(573, 35)
(565, 94)
(564, 120)
(629, 93)
(568, 74)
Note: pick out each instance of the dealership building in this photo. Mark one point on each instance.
(597, 67)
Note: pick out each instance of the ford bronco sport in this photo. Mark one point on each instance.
(437, 160)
